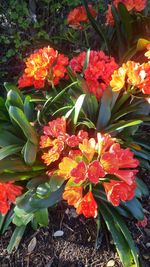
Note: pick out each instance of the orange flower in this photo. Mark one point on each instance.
(78, 15)
(87, 206)
(147, 54)
(133, 74)
(45, 141)
(88, 148)
(118, 78)
(73, 195)
(8, 194)
(144, 73)
(53, 154)
(66, 166)
(43, 65)
(117, 191)
(105, 141)
(133, 70)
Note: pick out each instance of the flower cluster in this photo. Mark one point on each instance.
(8, 194)
(137, 5)
(98, 72)
(132, 75)
(43, 65)
(84, 161)
(78, 15)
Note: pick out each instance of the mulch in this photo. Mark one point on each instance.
(76, 247)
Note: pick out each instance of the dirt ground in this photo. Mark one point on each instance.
(76, 247)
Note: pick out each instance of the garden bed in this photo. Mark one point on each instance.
(76, 248)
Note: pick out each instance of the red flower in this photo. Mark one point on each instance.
(72, 141)
(43, 65)
(87, 206)
(95, 171)
(8, 194)
(117, 191)
(137, 5)
(56, 127)
(79, 172)
(117, 158)
(98, 72)
(78, 15)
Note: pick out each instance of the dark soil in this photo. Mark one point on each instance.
(76, 248)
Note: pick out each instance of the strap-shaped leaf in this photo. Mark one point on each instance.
(19, 117)
(28, 108)
(95, 26)
(126, 20)
(135, 208)
(29, 152)
(14, 99)
(10, 86)
(105, 109)
(77, 107)
(125, 248)
(9, 150)
(7, 138)
(121, 224)
(121, 125)
(16, 238)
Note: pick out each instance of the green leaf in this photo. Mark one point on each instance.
(16, 238)
(35, 182)
(7, 138)
(135, 208)
(90, 107)
(55, 182)
(8, 176)
(121, 125)
(77, 107)
(2, 219)
(10, 86)
(13, 164)
(105, 109)
(86, 61)
(118, 237)
(50, 201)
(21, 217)
(41, 217)
(142, 187)
(7, 221)
(29, 152)
(119, 221)
(14, 99)
(28, 108)
(120, 102)
(19, 117)
(126, 20)
(9, 150)
(94, 24)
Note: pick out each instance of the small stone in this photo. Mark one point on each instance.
(32, 245)
(146, 256)
(110, 263)
(58, 233)
(148, 245)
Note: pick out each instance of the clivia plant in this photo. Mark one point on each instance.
(68, 133)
